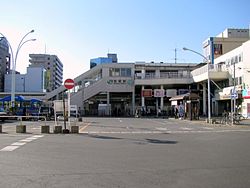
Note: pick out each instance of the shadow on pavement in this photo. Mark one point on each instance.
(103, 137)
(156, 141)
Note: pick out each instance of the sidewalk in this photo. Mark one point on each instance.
(217, 120)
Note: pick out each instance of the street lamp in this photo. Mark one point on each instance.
(208, 83)
(14, 60)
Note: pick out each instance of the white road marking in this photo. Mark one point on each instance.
(26, 140)
(9, 148)
(18, 144)
(161, 128)
(164, 132)
(38, 136)
(22, 142)
(186, 128)
(208, 128)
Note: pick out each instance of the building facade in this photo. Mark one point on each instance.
(31, 82)
(237, 63)
(121, 89)
(224, 42)
(53, 67)
(4, 61)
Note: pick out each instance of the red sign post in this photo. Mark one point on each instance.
(69, 83)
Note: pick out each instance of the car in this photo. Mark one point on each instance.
(3, 114)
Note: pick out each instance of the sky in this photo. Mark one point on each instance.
(137, 30)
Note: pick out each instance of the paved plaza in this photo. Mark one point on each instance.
(126, 152)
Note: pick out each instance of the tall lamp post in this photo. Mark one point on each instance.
(208, 83)
(14, 60)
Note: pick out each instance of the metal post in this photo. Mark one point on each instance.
(208, 82)
(208, 95)
(234, 110)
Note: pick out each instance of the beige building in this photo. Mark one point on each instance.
(224, 42)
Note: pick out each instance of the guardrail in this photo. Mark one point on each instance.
(20, 118)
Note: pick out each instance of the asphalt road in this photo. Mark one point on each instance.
(122, 152)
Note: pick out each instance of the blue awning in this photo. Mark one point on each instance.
(33, 100)
(8, 98)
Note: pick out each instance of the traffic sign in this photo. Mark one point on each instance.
(69, 83)
(234, 96)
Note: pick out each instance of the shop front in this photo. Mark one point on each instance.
(187, 105)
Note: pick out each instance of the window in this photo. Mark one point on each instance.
(232, 61)
(124, 72)
(236, 59)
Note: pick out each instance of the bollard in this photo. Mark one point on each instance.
(21, 129)
(74, 129)
(0, 128)
(58, 129)
(45, 129)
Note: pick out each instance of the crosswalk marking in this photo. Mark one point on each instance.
(22, 142)
(18, 144)
(9, 148)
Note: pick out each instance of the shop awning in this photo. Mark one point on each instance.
(187, 96)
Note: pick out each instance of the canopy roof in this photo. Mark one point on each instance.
(186, 96)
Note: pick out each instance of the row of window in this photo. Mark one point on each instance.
(120, 72)
(234, 60)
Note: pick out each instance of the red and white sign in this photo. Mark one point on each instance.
(69, 83)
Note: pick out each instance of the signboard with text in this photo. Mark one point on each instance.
(159, 92)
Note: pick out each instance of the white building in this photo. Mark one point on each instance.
(33, 81)
(237, 63)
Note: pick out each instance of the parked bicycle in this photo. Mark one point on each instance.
(229, 118)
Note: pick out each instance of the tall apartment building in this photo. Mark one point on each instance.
(4, 61)
(53, 67)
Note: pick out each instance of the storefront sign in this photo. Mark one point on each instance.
(159, 92)
(246, 93)
(146, 93)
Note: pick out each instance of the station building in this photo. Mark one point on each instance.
(112, 88)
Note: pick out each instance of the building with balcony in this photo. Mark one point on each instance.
(53, 67)
(237, 64)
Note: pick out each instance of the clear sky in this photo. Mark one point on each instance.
(137, 30)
